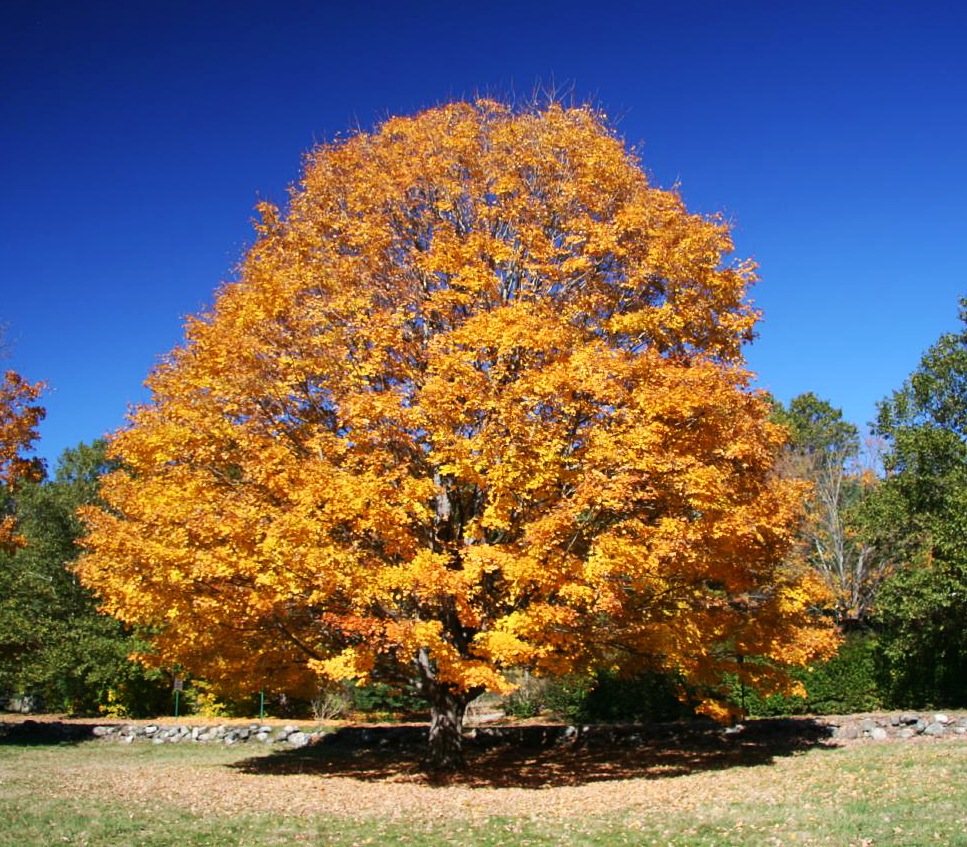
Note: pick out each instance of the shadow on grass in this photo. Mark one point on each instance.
(44, 733)
(538, 757)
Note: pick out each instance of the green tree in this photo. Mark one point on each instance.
(923, 508)
(824, 450)
(817, 430)
(53, 641)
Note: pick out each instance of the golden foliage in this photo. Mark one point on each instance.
(476, 401)
(19, 417)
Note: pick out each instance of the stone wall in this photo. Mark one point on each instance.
(899, 725)
(291, 736)
(878, 727)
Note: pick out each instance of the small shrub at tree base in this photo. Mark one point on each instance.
(566, 696)
(332, 701)
(649, 696)
(530, 698)
(380, 698)
(605, 697)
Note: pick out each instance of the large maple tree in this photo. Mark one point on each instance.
(476, 402)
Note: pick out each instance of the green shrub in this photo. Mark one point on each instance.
(382, 698)
(605, 697)
(846, 683)
(648, 696)
(530, 698)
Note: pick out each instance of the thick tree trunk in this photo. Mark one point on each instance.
(446, 730)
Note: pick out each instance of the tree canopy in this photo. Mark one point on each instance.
(19, 416)
(923, 610)
(475, 402)
(54, 644)
(839, 534)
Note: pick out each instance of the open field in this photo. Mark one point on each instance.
(757, 790)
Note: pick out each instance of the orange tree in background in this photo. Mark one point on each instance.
(476, 402)
(19, 417)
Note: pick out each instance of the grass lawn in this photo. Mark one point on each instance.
(108, 793)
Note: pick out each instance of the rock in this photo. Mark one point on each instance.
(879, 733)
(298, 739)
(941, 718)
(849, 731)
(894, 720)
(867, 724)
(906, 732)
(150, 730)
(102, 731)
(936, 729)
(909, 718)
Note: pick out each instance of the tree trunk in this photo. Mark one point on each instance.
(446, 730)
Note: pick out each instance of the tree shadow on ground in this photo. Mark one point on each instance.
(44, 733)
(537, 757)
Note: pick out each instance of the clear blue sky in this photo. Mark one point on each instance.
(136, 137)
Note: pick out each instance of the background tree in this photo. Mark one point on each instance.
(476, 403)
(19, 418)
(840, 527)
(923, 610)
(54, 644)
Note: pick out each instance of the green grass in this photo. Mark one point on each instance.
(865, 795)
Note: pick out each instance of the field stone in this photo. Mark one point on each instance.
(298, 739)
(879, 733)
(935, 728)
